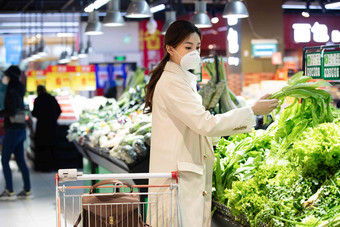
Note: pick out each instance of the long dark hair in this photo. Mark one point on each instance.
(177, 32)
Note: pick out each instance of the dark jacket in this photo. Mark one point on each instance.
(46, 110)
(14, 101)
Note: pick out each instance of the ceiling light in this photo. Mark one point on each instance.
(94, 26)
(113, 16)
(157, 8)
(215, 20)
(88, 49)
(74, 53)
(138, 9)
(236, 9)
(64, 34)
(170, 17)
(305, 14)
(201, 18)
(42, 49)
(81, 52)
(333, 5)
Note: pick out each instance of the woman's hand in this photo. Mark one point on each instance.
(264, 106)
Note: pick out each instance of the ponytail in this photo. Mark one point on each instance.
(150, 87)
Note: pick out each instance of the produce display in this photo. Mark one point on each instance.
(216, 96)
(288, 174)
(118, 128)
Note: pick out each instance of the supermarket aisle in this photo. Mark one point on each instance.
(37, 212)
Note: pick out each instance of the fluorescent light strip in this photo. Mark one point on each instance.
(89, 8)
(96, 5)
(23, 31)
(292, 6)
(334, 5)
(34, 24)
(157, 8)
(62, 34)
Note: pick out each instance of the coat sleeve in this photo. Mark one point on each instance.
(57, 106)
(182, 102)
(36, 109)
(11, 108)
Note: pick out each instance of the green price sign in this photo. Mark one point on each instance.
(331, 66)
(313, 65)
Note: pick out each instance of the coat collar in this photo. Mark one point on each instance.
(173, 67)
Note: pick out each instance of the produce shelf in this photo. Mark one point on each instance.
(110, 163)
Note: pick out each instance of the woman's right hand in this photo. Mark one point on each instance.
(264, 106)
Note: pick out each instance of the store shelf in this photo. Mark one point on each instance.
(110, 163)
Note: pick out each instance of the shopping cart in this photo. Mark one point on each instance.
(73, 208)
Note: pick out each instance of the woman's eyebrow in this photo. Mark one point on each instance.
(192, 43)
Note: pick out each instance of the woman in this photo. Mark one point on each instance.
(15, 134)
(182, 128)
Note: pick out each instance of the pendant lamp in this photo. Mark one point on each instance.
(201, 18)
(113, 16)
(170, 17)
(138, 9)
(94, 27)
(235, 9)
(88, 49)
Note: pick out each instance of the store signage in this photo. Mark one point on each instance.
(13, 47)
(326, 66)
(302, 33)
(151, 45)
(35, 78)
(233, 61)
(79, 78)
(120, 58)
(233, 46)
(263, 48)
(313, 65)
(331, 65)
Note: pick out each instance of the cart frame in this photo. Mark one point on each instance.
(66, 175)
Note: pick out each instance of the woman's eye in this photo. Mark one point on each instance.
(188, 48)
(197, 48)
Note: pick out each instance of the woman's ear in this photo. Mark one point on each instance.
(169, 49)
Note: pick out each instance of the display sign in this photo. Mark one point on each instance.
(35, 78)
(331, 65)
(78, 78)
(263, 48)
(151, 44)
(323, 65)
(120, 58)
(313, 65)
(13, 46)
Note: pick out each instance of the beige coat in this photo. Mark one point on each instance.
(181, 132)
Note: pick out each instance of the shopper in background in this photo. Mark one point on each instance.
(182, 128)
(15, 133)
(3, 88)
(46, 110)
(119, 85)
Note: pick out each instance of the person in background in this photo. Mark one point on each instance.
(119, 86)
(46, 110)
(15, 134)
(3, 88)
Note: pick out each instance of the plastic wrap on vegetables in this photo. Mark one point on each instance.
(140, 148)
(137, 126)
(128, 155)
(147, 139)
(143, 130)
(129, 139)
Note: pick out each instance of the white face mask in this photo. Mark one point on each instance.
(5, 80)
(190, 60)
